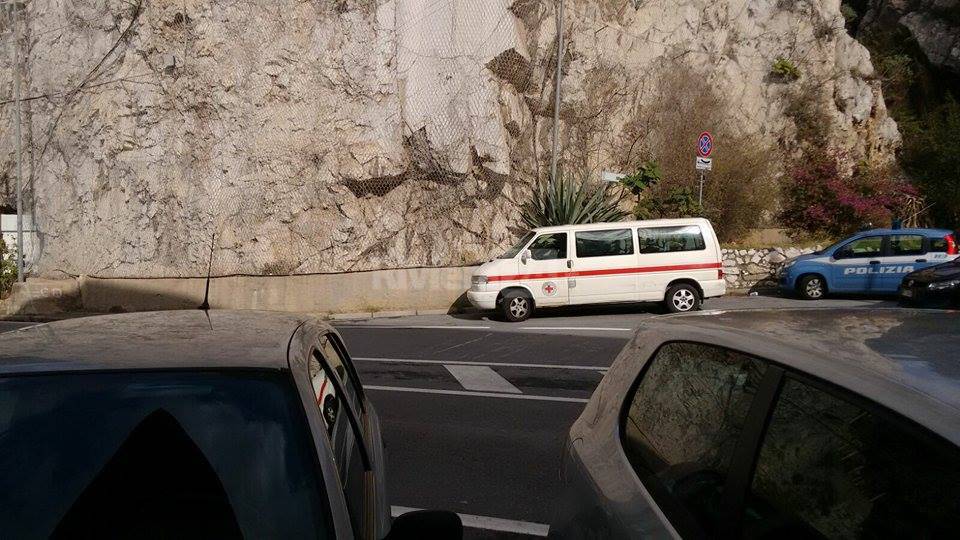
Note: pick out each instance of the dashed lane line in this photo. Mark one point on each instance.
(474, 394)
(600, 369)
(489, 523)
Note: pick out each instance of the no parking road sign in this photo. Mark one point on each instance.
(705, 144)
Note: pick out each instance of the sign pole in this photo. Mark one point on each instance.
(701, 188)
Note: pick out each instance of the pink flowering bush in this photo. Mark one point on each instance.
(820, 199)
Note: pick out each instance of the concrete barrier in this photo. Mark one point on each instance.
(376, 291)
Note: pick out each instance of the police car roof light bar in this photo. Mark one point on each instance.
(952, 248)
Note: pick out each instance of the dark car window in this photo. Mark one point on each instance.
(683, 424)
(906, 244)
(159, 455)
(939, 245)
(671, 239)
(829, 468)
(604, 243)
(549, 246)
(865, 247)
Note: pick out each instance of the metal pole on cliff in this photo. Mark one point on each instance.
(700, 202)
(556, 104)
(16, 91)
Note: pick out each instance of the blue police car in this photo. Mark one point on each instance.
(869, 262)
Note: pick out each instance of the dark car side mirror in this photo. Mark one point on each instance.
(420, 524)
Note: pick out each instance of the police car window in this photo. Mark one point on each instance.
(864, 247)
(830, 469)
(604, 243)
(549, 246)
(906, 244)
(683, 424)
(671, 239)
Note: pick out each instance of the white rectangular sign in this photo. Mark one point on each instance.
(608, 176)
(704, 164)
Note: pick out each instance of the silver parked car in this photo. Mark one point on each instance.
(192, 424)
(772, 424)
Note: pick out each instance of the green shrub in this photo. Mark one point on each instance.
(8, 268)
(568, 201)
(930, 159)
(649, 174)
(675, 202)
(785, 69)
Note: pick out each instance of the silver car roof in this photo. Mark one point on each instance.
(153, 340)
(905, 360)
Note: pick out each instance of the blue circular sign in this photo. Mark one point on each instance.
(705, 144)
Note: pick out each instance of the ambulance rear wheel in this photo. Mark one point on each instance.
(812, 287)
(516, 306)
(682, 298)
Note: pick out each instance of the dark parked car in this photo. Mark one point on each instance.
(772, 424)
(936, 287)
(191, 424)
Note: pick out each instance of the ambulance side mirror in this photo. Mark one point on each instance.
(525, 256)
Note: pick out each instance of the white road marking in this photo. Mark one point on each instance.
(468, 363)
(474, 394)
(481, 379)
(576, 328)
(489, 523)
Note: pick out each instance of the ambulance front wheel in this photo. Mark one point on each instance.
(516, 306)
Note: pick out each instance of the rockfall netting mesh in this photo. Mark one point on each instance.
(347, 135)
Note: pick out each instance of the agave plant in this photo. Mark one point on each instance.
(567, 201)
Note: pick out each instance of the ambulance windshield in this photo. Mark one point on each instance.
(512, 252)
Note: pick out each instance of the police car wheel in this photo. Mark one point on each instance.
(682, 298)
(812, 288)
(516, 307)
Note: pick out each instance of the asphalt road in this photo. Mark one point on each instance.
(475, 411)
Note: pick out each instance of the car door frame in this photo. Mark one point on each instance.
(299, 350)
(598, 272)
(537, 282)
(838, 269)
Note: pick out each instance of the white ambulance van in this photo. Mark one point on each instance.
(674, 261)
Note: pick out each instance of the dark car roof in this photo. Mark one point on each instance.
(906, 360)
(153, 340)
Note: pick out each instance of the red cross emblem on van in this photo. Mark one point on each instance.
(549, 288)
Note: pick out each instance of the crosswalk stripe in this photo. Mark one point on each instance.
(481, 379)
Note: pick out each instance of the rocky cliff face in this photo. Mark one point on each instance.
(934, 24)
(348, 135)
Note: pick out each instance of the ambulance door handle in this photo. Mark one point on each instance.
(874, 262)
(569, 263)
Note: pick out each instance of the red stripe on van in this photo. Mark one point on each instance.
(609, 271)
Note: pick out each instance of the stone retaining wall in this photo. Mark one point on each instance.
(757, 268)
